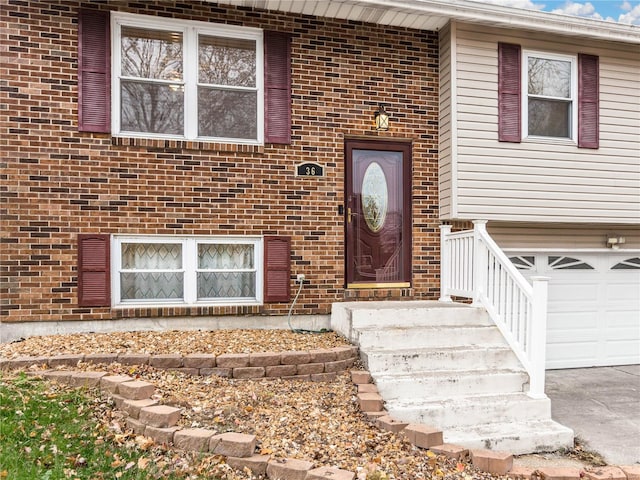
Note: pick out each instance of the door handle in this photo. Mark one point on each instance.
(349, 214)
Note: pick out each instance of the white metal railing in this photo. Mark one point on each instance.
(473, 266)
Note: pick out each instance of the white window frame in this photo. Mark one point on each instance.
(573, 128)
(190, 30)
(189, 269)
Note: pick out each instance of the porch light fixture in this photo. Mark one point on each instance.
(381, 118)
(614, 242)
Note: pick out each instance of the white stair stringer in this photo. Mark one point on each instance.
(446, 365)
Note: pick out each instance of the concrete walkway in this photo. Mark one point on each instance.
(602, 406)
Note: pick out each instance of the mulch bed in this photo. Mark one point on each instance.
(320, 422)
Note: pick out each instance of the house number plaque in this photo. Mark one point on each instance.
(310, 170)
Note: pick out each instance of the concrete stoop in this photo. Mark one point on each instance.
(447, 365)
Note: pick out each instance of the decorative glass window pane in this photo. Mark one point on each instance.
(219, 256)
(151, 54)
(151, 256)
(227, 61)
(157, 284)
(568, 263)
(226, 285)
(375, 197)
(151, 107)
(549, 78)
(151, 286)
(524, 263)
(549, 118)
(227, 113)
(229, 271)
(628, 264)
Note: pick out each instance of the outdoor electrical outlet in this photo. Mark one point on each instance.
(300, 278)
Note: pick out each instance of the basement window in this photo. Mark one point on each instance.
(187, 270)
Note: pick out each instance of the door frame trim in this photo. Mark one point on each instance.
(406, 147)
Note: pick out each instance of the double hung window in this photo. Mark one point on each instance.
(550, 96)
(187, 80)
(191, 270)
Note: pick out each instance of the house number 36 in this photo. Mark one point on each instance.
(310, 170)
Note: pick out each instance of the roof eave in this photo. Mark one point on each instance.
(434, 14)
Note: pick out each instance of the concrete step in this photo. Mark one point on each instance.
(414, 314)
(467, 357)
(447, 365)
(346, 316)
(448, 384)
(427, 337)
(515, 437)
(471, 410)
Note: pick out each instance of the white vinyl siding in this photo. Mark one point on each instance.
(544, 180)
(567, 237)
(445, 119)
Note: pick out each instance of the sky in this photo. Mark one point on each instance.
(621, 11)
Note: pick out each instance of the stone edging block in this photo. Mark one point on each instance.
(86, 379)
(160, 416)
(497, 463)
(111, 383)
(133, 407)
(606, 473)
(256, 463)
(233, 444)
(390, 424)
(136, 390)
(195, 439)
(326, 473)
(631, 471)
(318, 365)
(288, 469)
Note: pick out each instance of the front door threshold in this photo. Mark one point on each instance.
(385, 292)
(379, 285)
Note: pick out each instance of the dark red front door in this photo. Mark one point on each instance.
(377, 213)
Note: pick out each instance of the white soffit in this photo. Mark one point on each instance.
(435, 14)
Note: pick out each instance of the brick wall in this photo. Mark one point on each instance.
(58, 182)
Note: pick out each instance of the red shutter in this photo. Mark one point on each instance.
(588, 101)
(94, 72)
(277, 84)
(94, 284)
(509, 92)
(277, 269)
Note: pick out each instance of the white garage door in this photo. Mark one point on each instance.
(594, 306)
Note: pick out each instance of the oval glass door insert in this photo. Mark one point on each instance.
(375, 197)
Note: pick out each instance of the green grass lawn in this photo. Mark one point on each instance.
(53, 432)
